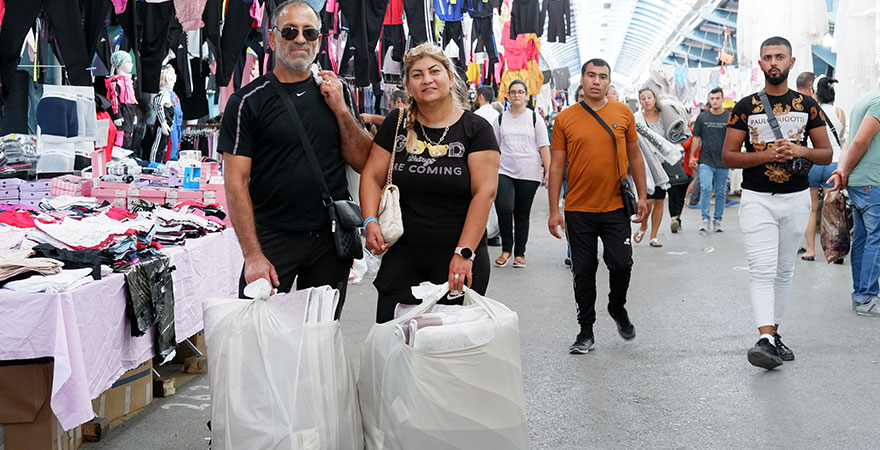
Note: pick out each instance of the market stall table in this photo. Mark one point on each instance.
(88, 334)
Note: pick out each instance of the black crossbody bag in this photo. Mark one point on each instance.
(626, 191)
(345, 215)
(796, 166)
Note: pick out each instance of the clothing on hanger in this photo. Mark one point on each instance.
(525, 17)
(559, 14)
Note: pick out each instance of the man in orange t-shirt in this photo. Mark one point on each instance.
(582, 148)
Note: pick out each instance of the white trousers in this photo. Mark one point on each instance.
(772, 226)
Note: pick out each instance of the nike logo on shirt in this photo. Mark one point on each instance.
(299, 94)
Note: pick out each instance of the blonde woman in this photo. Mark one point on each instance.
(446, 162)
(650, 114)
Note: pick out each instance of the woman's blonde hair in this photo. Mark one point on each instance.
(458, 89)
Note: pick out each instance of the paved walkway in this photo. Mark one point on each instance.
(684, 382)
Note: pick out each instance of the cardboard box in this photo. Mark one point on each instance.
(116, 197)
(9, 193)
(130, 393)
(98, 184)
(25, 411)
(214, 197)
(34, 195)
(175, 196)
(10, 183)
(38, 185)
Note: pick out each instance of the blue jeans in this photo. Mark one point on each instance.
(713, 178)
(865, 257)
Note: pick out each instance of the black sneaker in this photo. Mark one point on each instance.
(784, 352)
(626, 329)
(582, 344)
(764, 355)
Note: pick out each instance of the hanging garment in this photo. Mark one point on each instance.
(146, 26)
(482, 8)
(194, 106)
(212, 17)
(150, 301)
(94, 22)
(483, 34)
(394, 13)
(15, 119)
(189, 13)
(453, 31)
(123, 105)
(559, 14)
(66, 24)
(525, 17)
(449, 10)
(365, 19)
(418, 21)
(393, 37)
(236, 27)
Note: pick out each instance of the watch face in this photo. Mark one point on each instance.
(466, 253)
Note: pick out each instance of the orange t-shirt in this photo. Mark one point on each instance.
(591, 173)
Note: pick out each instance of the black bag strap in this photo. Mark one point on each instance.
(534, 119)
(304, 138)
(771, 118)
(608, 129)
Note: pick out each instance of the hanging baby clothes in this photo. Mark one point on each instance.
(120, 92)
(559, 14)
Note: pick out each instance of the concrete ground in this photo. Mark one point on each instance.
(683, 383)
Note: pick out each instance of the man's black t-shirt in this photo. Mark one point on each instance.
(284, 189)
(797, 114)
(435, 190)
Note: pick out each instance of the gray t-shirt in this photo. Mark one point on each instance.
(711, 129)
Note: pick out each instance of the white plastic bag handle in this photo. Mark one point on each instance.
(259, 289)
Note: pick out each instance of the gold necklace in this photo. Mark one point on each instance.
(435, 149)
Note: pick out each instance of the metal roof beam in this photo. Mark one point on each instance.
(706, 56)
(720, 17)
(714, 39)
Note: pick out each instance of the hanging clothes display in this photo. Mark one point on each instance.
(419, 22)
(365, 21)
(806, 22)
(525, 17)
(66, 24)
(856, 42)
(236, 27)
(483, 34)
(146, 27)
(189, 13)
(558, 12)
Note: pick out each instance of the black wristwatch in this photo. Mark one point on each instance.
(465, 253)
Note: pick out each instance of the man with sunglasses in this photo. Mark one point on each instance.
(274, 197)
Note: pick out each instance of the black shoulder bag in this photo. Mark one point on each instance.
(796, 166)
(345, 215)
(626, 192)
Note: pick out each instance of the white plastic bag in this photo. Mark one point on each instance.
(443, 400)
(276, 384)
(492, 228)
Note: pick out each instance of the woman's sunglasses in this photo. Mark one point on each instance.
(290, 33)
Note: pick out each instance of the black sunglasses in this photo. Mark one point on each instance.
(291, 33)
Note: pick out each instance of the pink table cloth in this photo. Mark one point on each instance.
(88, 335)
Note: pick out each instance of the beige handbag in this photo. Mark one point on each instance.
(390, 218)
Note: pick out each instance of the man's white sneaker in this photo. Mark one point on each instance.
(716, 226)
(704, 227)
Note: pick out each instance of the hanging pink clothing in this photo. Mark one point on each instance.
(257, 10)
(2, 11)
(125, 91)
(119, 6)
(189, 13)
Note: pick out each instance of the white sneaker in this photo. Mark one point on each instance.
(717, 226)
(704, 227)
(871, 308)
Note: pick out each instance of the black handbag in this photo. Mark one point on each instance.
(675, 172)
(796, 166)
(345, 215)
(626, 192)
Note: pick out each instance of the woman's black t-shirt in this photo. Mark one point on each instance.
(434, 181)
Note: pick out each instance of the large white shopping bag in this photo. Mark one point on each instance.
(277, 383)
(469, 398)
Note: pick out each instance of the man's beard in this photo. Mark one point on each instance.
(778, 79)
(298, 64)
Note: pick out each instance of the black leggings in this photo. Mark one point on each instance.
(404, 266)
(146, 27)
(513, 204)
(311, 255)
(582, 230)
(676, 198)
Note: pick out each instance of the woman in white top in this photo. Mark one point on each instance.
(525, 147)
(835, 124)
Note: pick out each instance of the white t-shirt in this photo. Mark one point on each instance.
(487, 112)
(831, 117)
(519, 139)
